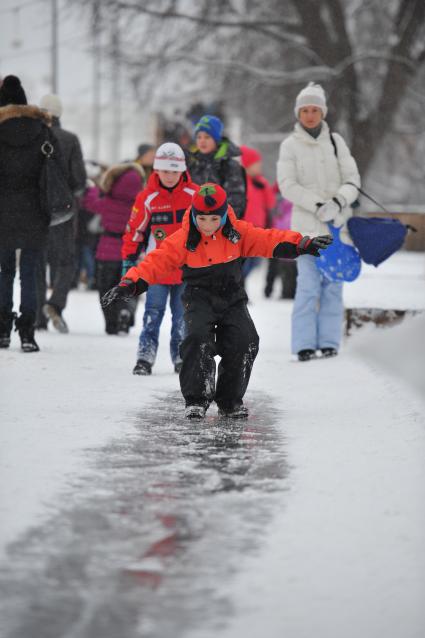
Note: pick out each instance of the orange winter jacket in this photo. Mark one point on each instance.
(203, 256)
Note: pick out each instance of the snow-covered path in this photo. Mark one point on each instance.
(307, 520)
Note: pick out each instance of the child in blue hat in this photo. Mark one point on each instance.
(213, 160)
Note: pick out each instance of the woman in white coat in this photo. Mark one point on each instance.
(318, 174)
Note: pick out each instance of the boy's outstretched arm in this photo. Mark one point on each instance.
(287, 244)
(156, 266)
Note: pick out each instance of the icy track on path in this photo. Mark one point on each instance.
(146, 539)
(305, 521)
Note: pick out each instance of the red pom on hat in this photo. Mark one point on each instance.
(211, 199)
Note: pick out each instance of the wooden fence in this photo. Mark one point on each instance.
(414, 241)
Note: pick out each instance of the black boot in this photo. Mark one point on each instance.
(233, 412)
(124, 320)
(6, 325)
(306, 355)
(142, 368)
(25, 326)
(329, 352)
(53, 313)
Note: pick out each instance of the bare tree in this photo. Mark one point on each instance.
(257, 56)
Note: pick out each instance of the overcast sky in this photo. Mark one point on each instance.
(25, 48)
(25, 51)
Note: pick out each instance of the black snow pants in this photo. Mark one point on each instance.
(216, 325)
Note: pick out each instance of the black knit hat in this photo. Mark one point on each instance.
(11, 91)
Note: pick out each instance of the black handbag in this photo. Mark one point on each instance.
(57, 200)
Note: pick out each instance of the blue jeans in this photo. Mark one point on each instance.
(88, 262)
(156, 303)
(28, 264)
(318, 309)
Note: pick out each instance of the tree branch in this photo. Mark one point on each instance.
(271, 77)
(293, 33)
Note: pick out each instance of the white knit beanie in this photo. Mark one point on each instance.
(169, 157)
(52, 103)
(312, 95)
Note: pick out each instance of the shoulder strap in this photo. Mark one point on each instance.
(47, 147)
(369, 197)
(334, 144)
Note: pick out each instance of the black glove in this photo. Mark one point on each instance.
(125, 290)
(309, 246)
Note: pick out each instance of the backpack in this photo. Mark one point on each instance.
(376, 238)
(56, 197)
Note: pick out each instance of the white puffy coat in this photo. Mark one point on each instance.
(308, 173)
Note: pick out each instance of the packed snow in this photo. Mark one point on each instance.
(316, 529)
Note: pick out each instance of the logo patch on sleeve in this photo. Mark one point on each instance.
(159, 234)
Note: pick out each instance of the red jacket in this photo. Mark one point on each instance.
(260, 201)
(158, 212)
(210, 251)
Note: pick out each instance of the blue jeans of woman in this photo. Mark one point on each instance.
(156, 303)
(318, 309)
(27, 272)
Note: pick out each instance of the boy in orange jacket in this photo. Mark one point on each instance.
(209, 248)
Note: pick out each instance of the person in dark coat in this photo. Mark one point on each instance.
(114, 199)
(23, 223)
(213, 160)
(62, 237)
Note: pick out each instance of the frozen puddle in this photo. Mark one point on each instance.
(142, 543)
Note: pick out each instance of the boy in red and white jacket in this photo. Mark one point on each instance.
(157, 213)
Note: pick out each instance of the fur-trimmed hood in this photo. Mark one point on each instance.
(110, 176)
(20, 110)
(22, 125)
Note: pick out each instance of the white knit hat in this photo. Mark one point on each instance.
(169, 157)
(312, 95)
(52, 103)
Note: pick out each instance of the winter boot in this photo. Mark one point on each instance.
(124, 321)
(111, 328)
(6, 325)
(236, 412)
(25, 326)
(195, 411)
(329, 352)
(306, 355)
(142, 368)
(41, 324)
(53, 313)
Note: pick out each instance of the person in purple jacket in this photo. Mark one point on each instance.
(113, 200)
